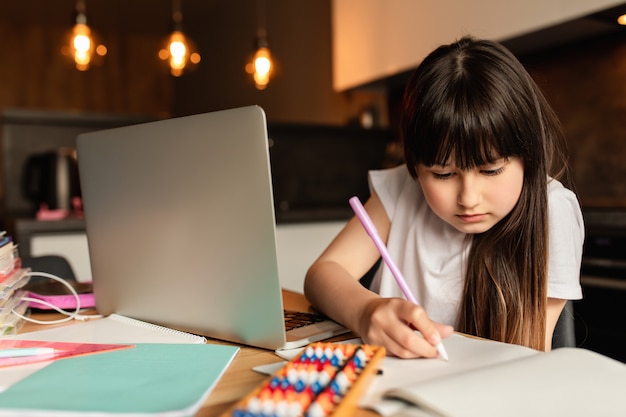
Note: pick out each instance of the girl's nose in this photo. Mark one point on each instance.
(469, 193)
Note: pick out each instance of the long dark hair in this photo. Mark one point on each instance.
(474, 101)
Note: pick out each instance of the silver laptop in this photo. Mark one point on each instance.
(181, 227)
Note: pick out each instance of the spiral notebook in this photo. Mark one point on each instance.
(114, 328)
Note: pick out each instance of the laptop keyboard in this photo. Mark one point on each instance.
(295, 319)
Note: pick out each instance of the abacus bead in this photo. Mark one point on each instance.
(319, 352)
(316, 387)
(299, 386)
(309, 377)
(267, 407)
(328, 352)
(324, 404)
(265, 393)
(284, 384)
(278, 395)
(292, 376)
(309, 352)
(274, 382)
(315, 410)
(324, 378)
(254, 405)
(349, 350)
(295, 409)
(281, 408)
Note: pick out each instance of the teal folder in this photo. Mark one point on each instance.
(170, 379)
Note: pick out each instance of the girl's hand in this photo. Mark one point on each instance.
(391, 322)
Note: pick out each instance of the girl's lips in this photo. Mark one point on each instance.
(471, 218)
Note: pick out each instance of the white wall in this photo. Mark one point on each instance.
(298, 245)
(373, 39)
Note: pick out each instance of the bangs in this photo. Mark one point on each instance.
(473, 137)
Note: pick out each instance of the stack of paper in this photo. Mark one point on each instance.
(12, 279)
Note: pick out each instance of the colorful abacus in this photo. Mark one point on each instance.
(325, 379)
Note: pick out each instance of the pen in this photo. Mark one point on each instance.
(21, 352)
(367, 223)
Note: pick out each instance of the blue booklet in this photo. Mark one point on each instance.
(172, 379)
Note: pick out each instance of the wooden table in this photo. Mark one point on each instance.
(239, 379)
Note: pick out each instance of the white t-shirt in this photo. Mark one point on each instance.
(432, 254)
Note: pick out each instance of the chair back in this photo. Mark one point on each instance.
(564, 331)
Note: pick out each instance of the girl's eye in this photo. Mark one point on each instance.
(492, 172)
(442, 175)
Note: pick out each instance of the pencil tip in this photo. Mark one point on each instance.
(442, 352)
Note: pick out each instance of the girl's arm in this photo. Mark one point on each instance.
(332, 286)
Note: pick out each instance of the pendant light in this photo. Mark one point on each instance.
(262, 65)
(179, 51)
(82, 46)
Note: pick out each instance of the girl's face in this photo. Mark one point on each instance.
(473, 200)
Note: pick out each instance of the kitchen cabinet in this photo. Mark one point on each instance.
(374, 40)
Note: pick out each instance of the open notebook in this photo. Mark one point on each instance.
(181, 227)
(486, 378)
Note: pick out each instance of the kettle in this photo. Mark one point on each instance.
(51, 178)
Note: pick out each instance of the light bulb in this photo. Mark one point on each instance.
(177, 53)
(261, 68)
(81, 46)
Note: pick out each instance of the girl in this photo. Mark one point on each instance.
(488, 238)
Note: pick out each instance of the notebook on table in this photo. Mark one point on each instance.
(181, 228)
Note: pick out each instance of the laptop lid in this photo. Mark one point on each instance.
(180, 225)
